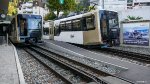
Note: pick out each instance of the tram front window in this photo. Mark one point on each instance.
(34, 23)
(113, 20)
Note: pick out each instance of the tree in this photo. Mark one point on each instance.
(79, 8)
(12, 7)
(82, 6)
(54, 5)
(50, 16)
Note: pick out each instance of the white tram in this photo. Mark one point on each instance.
(99, 27)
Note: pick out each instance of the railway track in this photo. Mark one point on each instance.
(126, 54)
(81, 70)
(67, 75)
(35, 72)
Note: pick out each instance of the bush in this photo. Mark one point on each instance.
(134, 18)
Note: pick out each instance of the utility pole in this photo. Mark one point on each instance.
(103, 4)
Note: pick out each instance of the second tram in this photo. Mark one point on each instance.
(99, 27)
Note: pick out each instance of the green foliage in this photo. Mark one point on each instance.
(54, 5)
(134, 18)
(91, 8)
(78, 8)
(50, 16)
(65, 13)
(12, 7)
(82, 6)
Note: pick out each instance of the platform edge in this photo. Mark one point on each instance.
(20, 73)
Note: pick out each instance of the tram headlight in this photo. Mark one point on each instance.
(3, 16)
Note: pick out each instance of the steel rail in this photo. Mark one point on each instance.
(95, 79)
(128, 54)
(56, 73)
(89, 67)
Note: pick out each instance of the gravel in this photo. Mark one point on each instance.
(65, 72)
(34, 72)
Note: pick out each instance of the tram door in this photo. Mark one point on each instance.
(2, 30)
(23, 27)
(104, 27)
(51, 30)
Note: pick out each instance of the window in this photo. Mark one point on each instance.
(34, 23)
(68, 25)
(90, 22)
(56, 30)
(76, 25)
(113, 20)
(62, 26)
(46, 31)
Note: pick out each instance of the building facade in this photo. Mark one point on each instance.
(115, 5)
(119, 5)
(33, 7)
(134, 4)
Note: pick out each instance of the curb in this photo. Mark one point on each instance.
(20, 73)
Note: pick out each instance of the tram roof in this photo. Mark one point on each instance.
(77, 16)
(81, 15)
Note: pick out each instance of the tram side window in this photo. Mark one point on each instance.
(68, 25)
(76, 25)
(62, 26)
(45, 31)
(90, 22)
(57, 30)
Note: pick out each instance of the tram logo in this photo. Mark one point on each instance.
(71, 36)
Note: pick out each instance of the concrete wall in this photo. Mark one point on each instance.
(115, 5)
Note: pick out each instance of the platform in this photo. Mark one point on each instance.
(136, 73)
(10, 70)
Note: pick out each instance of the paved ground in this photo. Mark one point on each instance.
(8, 68)
(136, 73)
(2, 40)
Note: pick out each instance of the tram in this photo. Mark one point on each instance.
(26, 28)
(99, 27)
